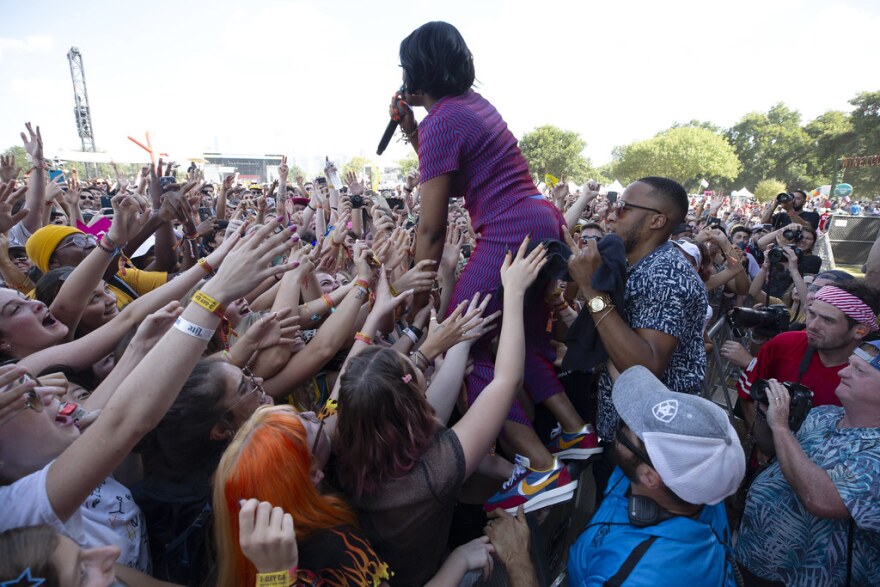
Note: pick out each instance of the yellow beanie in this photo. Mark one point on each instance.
(43, 243)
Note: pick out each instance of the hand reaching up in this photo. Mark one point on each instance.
(518, 273)
(266, 536)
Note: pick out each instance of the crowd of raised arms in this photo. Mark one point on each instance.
(306, 382)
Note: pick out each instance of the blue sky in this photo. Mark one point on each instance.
(316, 77)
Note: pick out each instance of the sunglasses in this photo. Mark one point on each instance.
(621, 206)
(32, 400)
(83, 241)
(255, 387)
(630, 446)
(586, 237)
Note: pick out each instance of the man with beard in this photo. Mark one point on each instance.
(839, 317)
(661, 323)
(792, 211)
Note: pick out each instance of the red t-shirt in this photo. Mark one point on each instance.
(780, 359)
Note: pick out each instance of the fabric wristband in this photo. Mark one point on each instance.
(412, 335)
(202, 299)
(192, 329)
(276, 579)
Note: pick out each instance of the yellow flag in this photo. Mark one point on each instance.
(550, 180)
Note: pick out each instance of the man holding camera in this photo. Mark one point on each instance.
(792, 210)
(663, 521)
(812, 517)
(839, 318)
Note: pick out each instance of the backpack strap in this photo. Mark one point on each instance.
(630, 563)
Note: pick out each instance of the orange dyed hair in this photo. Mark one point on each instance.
(269, 460)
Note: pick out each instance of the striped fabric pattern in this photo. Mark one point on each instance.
(466, 135)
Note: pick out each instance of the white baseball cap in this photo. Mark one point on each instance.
(692, 445)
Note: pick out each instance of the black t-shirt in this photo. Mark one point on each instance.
(781, 219)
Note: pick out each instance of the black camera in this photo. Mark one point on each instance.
(798, 408)
(765, 322)
(776, 254)
(784, 198)
(792, 235)
(357, 201)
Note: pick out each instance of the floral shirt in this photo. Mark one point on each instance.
(781, 541)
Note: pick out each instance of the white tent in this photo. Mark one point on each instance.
(614, 187)
(742, 193)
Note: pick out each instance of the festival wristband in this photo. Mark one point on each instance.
(194, 330)
(364, 338)
(276, 579)
(203, 263)
(412, 335)
(202, 299)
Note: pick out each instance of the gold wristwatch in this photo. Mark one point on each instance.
(599, 303)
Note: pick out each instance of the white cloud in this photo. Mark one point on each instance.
(29, 44)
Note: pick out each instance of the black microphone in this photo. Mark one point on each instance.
(393, 123)
(386, 138)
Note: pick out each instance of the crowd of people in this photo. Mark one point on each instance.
(306, 382)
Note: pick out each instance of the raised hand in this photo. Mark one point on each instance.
(33, 144)
(518, 273)
(8, 169)
(420, 278)
(15, 392)
(266, 536)
(560, 190)
(386, 302)
(273, 329)
(249, 263)
(452, 250)
(412, 180)
(127, 212)
(9, 196)
(355, 187)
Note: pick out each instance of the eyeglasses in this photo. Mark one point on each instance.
(83, 241)
(587, 237)
(255, 388)
(620, 206)
(630, 446)
(32, 400)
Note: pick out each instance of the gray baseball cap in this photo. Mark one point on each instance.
(690, 440)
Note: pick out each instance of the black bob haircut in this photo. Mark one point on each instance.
(672, 192)
(437, 61)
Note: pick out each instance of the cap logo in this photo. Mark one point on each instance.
(666, 410)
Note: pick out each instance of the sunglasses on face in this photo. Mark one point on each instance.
(621, 206)
(586, 237)
(255, 387)
(630, 446)
(83, 241)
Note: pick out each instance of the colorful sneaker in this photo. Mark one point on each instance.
(533, 489)
(574, 445)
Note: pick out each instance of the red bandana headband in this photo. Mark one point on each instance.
(849, 305)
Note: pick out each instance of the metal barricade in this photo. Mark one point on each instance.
(719, 371)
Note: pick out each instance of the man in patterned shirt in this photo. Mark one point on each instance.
(661, 325)
(812, 518)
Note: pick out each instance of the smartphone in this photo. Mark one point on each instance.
(612, 197)
(321, 180)
(166, 180)
(57, 176)
(204, 213)
(768, 227)
(395, 203)
(106, 203)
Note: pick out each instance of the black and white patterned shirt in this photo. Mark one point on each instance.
(664, 293)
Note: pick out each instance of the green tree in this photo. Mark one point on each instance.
(831, 136)
(771, 144)
(686, 154)
(356, 165)
(408, 163)
(865, 120)
(549, 149)
(767, 189)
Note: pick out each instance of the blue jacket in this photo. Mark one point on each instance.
(688, 552)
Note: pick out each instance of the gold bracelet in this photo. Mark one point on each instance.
(599, 321)
(202, 299)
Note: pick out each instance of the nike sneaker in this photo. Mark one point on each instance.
(533, 489)
(574, 445)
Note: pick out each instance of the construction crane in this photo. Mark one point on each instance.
(81, 108)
